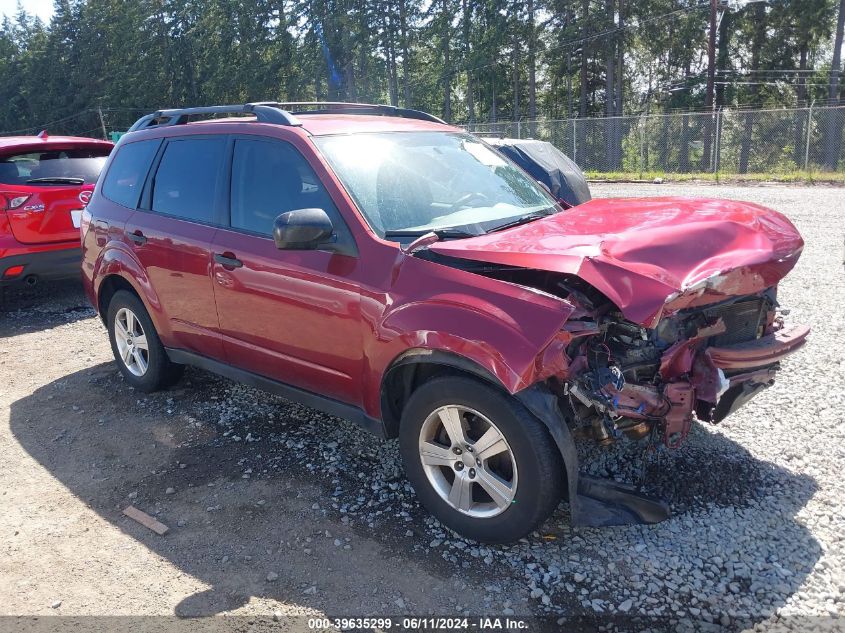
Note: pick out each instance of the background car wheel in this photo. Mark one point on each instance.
(478, 460)
(136, 346)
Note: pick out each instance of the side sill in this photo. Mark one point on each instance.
(289, 392)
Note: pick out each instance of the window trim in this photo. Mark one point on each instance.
(218, 219)
(104, 177)
(344, 241)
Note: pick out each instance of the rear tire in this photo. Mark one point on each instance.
(136, 346)
(478, 460)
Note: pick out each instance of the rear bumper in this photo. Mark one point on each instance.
(42, 265)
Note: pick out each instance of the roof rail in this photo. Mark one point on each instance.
(265, 112)
(343, 107)
(279, 113)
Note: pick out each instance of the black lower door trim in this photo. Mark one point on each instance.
(295, 394)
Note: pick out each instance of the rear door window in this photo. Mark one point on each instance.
(53, 166)
(185, 184)
(129, 168)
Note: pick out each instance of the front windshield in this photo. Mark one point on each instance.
(408, 183)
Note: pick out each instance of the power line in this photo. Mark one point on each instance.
(44, 125)
(570, 43)
(728, 71)
(765, 83)
(628, 27)
(81, 113)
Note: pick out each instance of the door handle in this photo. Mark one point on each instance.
(138, 238)
(227, 260)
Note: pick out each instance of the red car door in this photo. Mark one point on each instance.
(171, 236)
(292, 316)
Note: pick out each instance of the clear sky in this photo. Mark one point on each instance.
(41, 8)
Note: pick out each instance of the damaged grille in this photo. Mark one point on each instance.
(742, 320)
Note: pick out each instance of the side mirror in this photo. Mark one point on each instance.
(302, 229)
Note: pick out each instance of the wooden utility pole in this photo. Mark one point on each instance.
(835, 66)
(833, 142)
(532, 68)
(711, 56)
(102, 123)
(711, 83)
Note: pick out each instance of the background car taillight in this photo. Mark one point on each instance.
(13, 271)
(11, 201)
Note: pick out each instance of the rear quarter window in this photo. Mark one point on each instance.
(128, 170)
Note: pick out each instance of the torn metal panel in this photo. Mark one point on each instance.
(593, 502)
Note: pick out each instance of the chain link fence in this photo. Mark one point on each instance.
(729, 142)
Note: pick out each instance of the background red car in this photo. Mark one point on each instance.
(44, 184)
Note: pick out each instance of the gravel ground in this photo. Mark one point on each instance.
(276, 509)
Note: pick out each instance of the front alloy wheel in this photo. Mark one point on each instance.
(478, 460)
(468, 461)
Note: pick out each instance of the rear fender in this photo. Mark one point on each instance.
(117, 259)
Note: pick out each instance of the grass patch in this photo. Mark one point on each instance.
(802, 177)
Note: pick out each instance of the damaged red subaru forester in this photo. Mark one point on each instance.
(382, 266)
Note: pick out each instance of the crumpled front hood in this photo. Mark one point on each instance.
(650, 256)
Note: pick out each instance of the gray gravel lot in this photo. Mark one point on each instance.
(274, 508)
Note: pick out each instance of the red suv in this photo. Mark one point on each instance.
(44, 184)
(382, 266)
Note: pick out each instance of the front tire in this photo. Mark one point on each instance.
(136, 346)
(478, 460)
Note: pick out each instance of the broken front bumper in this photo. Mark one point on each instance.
(762, 351)
(752, 366)
(711, 381)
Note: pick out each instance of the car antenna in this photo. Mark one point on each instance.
(42, 135)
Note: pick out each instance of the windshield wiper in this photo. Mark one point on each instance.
(62, 180)
(523, 219)
(443, 234)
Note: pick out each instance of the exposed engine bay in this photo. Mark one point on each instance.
(632, 381)
(623, 379)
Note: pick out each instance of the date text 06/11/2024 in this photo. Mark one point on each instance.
(419, 623)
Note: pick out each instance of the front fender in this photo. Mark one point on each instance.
(512, 332)
(492, 338)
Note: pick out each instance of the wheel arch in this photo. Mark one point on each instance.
(109, 286)
(416, 366)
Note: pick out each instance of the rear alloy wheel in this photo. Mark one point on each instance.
(478, 460)
(137, 349)
(131, 342)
